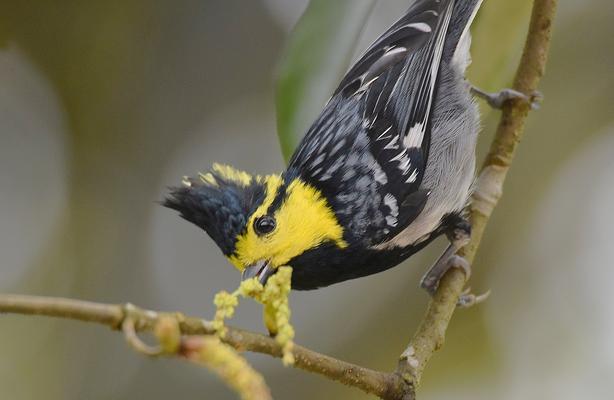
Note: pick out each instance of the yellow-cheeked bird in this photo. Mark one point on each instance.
(385, 169)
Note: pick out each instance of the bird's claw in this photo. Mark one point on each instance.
(468, 299)
(461, 263)
(498, 99)
(430, 281)
(536, 99)
(459, 234)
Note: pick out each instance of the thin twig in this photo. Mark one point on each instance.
(431, 332)
(132, 338)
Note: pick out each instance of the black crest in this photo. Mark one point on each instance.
(219, 203)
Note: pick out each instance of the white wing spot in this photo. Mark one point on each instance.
(392, 221)
(420, 26)
(337, 147)
(380, 175)
(348, 174)
(393, 144)
(318, 160)
(325, 177)
(412, 177)
(404, 161)
(395, 50)
(391, 202)
(415, 136)
(336, 165)
(325, 142)
(382, 137)
(365, 85)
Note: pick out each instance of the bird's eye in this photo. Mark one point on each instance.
(264, 224)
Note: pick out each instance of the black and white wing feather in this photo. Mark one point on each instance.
(368, 149)
(399, 99)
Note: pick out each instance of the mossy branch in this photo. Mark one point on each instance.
(431, 332)
(489, 189)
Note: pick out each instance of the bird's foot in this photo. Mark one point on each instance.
(430, 281)
(448, 260)
(498, 99)
(459, 234)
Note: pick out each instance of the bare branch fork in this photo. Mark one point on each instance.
(397, 385)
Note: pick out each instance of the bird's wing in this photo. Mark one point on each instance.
(381, 115)
(399, 73)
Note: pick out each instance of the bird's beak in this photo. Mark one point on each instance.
(261, 270)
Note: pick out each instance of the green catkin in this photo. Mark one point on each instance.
(274, 296)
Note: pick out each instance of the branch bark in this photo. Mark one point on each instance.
(489, 189)
(430, 335)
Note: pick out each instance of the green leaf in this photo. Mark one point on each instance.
(317, 54)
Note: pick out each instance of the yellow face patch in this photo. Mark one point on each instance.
(303, 221)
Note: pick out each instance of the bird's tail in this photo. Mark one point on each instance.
(458, 34)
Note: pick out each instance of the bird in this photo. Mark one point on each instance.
(386, 168)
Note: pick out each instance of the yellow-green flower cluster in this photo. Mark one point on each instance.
(212, 353)
(277, 309)
(274, 297)
(226, 304)
(229, 365)
(251, 288)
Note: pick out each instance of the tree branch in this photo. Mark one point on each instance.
(382, 384)
(431, 332)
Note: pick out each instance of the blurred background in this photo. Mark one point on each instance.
(104, 104)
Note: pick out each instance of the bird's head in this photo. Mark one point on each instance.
(259, 222)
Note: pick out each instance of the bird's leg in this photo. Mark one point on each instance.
(430, 280)
(498, 99)
(459, 234)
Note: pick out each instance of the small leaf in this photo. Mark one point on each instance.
(317, 54)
